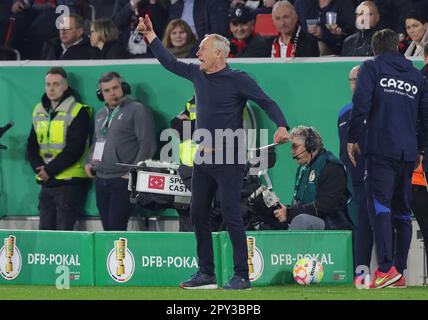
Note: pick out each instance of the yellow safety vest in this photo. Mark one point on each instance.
(188, 147)
(51, 135)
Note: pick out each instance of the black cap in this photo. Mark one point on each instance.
(240, 14)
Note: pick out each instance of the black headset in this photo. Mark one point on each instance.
(311, 144)
(126, 88)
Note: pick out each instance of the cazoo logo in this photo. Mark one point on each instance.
(398, 84)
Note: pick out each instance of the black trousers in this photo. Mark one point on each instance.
(113, 203)
(420, 210)
(389, 192)
(205, 181)
(61, 206)
(363, 234)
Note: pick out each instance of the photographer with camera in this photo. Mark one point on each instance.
(320, 193)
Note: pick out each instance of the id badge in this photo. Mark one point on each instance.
(98, 150)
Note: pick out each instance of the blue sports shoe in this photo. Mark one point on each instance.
(238, 283)
(200, 280)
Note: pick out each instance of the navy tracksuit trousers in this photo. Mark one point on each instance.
(363, 232)
(205, 181)
(389, 191)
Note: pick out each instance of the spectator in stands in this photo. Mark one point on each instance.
(292, 40)
(125, 15)
(56, 148)
(124, 132)
(419, 181)
(320, 194)
(363, 236)
(203, 16)
(330, 36)
(104, 35)
(33, 23)
(252, 4)
(5, 13)
(72, 43)
(244, 42)
(417, 29)
(266, 7)
(391, 13)
(180, 40)
(359, 43)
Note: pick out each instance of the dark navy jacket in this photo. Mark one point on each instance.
(220, 96)
(210, 16)
(392, 93)
(357, 173)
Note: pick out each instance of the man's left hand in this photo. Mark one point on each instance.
(281, 214)
(281, 135)
(353, 151)
(419, 160)
(42, 173)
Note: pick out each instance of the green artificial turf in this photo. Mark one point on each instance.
(287, 292)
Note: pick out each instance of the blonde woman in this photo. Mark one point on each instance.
(417, 29)
(179, 39)
(104, 35)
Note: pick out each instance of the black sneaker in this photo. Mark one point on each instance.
(238, 283)
(200, 280)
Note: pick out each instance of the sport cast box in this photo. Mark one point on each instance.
(44, 257)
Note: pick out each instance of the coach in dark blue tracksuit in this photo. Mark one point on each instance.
(363, 236)
(221, 94)
(391, 93)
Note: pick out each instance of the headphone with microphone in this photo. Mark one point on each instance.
(311, 144)
(126, 88)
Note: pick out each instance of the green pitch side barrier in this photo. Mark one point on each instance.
(45, 257)
(272, 255)
(163, 259)
(147, 258)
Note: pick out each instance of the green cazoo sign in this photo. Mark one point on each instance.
(162, 258)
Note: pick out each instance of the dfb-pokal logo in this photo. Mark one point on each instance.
(255, 260)
(10, 259)
(120, 261)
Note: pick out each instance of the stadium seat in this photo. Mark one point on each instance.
(264, 25)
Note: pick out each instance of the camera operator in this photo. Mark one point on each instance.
(320, 193)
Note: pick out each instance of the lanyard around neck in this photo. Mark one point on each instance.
(108, 120)
(299, 178)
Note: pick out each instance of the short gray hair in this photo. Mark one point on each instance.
(303, 132)
(220, 43)
(284, 3)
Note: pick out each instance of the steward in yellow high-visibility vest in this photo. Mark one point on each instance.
(57, 146)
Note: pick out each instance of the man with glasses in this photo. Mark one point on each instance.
(72, 43)
(366, 21)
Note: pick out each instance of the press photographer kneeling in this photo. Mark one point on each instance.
(320, 193)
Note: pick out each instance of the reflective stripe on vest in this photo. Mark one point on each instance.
(191, 107)
(51, 137)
